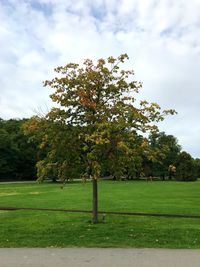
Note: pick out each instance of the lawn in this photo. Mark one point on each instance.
(60, 229)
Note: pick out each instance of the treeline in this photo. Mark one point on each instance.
(28, 148)
(18, 156)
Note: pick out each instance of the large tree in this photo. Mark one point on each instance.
(98, 101)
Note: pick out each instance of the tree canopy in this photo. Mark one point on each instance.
(100, 102)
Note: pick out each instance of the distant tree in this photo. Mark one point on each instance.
(8, 155)
(197, 167)
(17, 156)
(162, 154)
(185, 168)
(171, 171)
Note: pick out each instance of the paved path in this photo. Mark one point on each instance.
(94, 257)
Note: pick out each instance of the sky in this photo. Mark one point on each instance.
(161, 38)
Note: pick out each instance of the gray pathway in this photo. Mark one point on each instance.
(94, 257)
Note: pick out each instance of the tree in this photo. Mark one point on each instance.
(98, 101)
(197, 167)
(162, 154)
(7, 155)
(185, 168)
(17, 156)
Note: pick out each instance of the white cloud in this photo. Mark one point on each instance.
(161, 38)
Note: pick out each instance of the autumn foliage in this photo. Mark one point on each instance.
(97, 126)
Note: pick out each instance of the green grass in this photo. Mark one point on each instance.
(59, 229)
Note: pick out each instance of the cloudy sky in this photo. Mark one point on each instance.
(161, 38)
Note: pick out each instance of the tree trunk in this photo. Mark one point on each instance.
(95, 201)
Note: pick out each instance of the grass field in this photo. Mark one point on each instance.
(59, 229)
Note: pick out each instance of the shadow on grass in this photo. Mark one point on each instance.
(106, 212)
